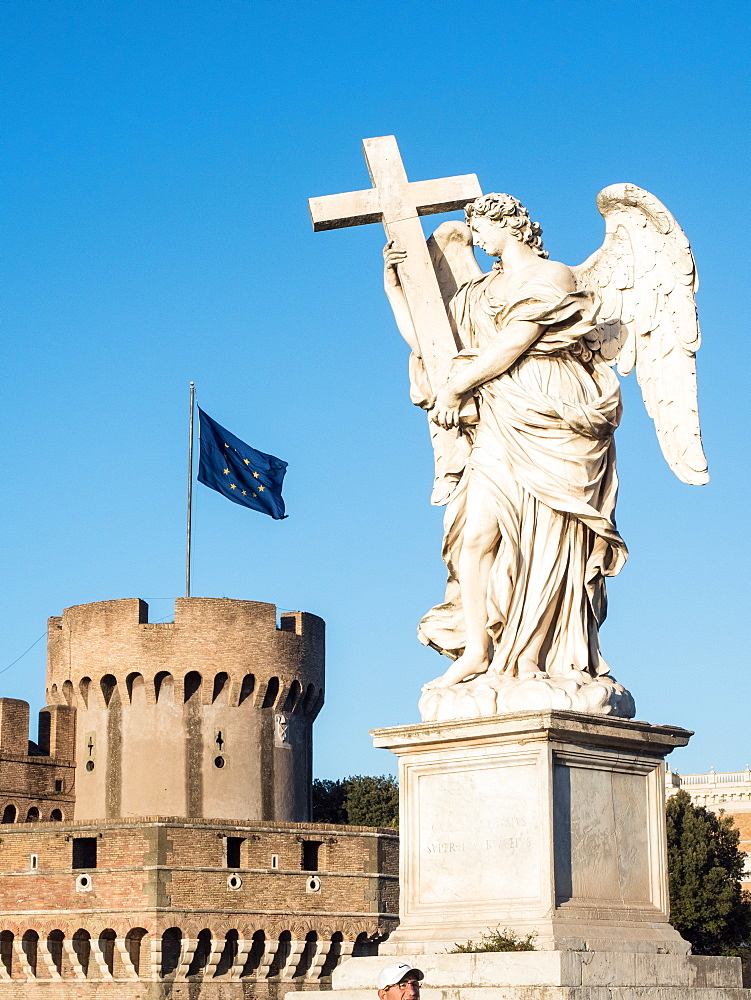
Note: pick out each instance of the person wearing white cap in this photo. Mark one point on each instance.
(399, 981)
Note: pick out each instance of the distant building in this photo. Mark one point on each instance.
(728, 792)
(156, 838)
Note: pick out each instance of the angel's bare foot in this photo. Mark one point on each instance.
(527, 668)
(466, 666)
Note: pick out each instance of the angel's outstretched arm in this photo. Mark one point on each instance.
(392, 257)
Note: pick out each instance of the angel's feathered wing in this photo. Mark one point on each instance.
(644, 277)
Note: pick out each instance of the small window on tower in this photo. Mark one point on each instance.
(234, 845)
(310, 850)
(84, 852)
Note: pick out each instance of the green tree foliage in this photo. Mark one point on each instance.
(358, 800)
(373, 801)
(329, 801)
(707, 905)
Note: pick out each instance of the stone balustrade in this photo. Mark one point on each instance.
(292, 957)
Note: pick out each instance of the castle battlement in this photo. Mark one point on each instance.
(209, 909)
(235, 648)
(207, 716)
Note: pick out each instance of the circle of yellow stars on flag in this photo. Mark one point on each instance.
(233, 486)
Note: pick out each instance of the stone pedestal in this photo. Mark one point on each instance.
(546, 822)
(549, 823)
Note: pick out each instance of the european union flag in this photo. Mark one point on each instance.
(239, 472)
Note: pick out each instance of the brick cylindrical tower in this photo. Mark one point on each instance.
(207, 716)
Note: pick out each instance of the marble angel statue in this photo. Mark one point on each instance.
(531, 406)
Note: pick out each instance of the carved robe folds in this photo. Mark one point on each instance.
(542, 460)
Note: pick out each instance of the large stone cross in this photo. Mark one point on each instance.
(398, 203)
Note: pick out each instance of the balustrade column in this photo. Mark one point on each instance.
(323, 947)
(44, 956)
(156, 957)
(296, 949)
(97, 956)
(267, 958)
(187, 951)
(243, 950)
(23, 959)
(121, 950)
(217, 947)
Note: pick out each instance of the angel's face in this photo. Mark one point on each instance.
(489, 234)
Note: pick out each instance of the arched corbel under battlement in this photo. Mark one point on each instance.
(267, 693)
(290, 699)
(220, 694)
(192, 685)
(84, 687)
(243, 690)
(106, 690)
(164, 687)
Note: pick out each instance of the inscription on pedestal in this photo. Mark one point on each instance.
(479, 832)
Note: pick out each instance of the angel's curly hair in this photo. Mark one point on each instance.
(510, 212)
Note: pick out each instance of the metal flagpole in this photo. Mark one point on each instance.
(190, 491)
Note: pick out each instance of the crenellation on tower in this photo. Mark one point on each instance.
(14, 725)
(221, 696)
(208, 636)
(57, 732)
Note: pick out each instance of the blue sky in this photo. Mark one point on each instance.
(157, 163)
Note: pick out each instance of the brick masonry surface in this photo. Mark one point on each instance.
(155, 841)
(159, 904)
(743, 822)
(37, 779)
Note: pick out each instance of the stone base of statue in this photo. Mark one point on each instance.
(548, 823)
(499, 694)
(552, 975)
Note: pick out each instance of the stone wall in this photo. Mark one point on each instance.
(226, 909)
(37, 778)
